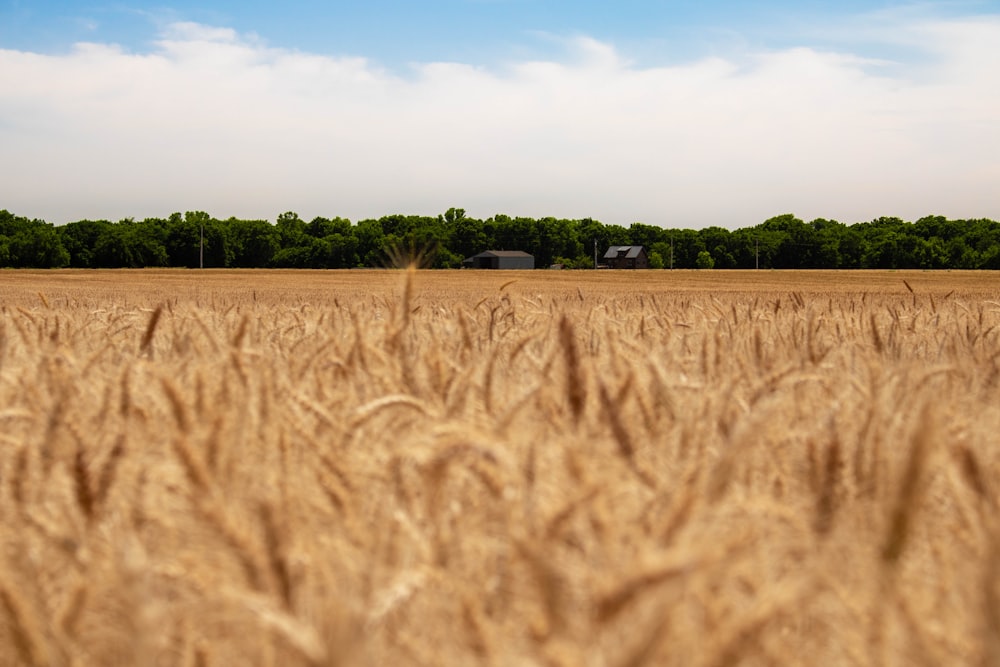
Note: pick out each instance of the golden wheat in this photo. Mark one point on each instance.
(539, 468)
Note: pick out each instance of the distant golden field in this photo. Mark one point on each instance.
(577, 468)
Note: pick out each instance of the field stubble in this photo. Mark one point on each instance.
(577, 468)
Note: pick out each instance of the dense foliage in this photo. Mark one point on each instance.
(782, 242)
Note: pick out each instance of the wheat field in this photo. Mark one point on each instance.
(405, 467)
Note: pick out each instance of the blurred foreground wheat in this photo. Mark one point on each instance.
(393, 473)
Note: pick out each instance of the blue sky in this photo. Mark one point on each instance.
(677, 113)
(395, 33)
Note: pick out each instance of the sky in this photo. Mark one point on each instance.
(676, 113)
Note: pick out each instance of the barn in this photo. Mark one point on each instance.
(500, 259)
(626, 257)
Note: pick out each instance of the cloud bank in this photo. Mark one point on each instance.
(218, 121)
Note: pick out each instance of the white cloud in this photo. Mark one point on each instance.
(219, 121)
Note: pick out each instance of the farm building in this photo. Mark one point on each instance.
(500, 259)
(626, 257)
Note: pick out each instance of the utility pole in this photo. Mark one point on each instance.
(595, 253)
(671, 253)
(201, 248)
(756, 254)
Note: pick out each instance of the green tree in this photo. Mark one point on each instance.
(704, 260)
(343, 250)
(291, 229)
(686, 247)
(323, 227)
(719, 242)
(468, 237)
(254, 242)
(131, 245)
(645, 235)
(453, 215)
(663, 250)
(80, 239)
(829, 236)
(313, 253)
(370, 243)
(30, 243)
(183, 241)
(556, 238)
(791, 242)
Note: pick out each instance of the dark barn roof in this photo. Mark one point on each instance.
(626, 251)
(500, 259)
(502, 253)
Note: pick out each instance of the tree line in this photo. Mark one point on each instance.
(197, 239)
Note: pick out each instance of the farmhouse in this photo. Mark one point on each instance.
(626, 257)
(500, 259)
